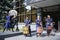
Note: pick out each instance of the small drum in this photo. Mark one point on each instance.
(25, 30)
(39, 30)
(49, 28)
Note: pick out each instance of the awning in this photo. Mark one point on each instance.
(44, 3)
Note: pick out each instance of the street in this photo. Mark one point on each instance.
(17, 36)
(53, 36)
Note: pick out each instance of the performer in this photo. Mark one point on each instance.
(13, 14)
(27, 23)
(7, 23)
(38, 25)
(49, 24)
(16, 23)
(12, 22)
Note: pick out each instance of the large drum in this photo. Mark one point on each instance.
(13, 12)
(25, 30)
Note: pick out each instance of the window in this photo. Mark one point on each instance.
(23, 12)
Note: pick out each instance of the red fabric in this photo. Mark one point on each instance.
(39, 29)
(49, 27)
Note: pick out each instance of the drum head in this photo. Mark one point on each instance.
(13, 12)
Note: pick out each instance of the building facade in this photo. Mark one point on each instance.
(47, 7)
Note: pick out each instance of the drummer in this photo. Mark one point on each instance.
(49, 23)
(27, 22)
(38, 22)
(7, 23)
(13, 14)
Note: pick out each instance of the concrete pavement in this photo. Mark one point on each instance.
(53, 36)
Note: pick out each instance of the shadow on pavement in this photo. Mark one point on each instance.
(42, 35)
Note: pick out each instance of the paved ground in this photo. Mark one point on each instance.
(20, 26)
(8, 32)
(53, 36)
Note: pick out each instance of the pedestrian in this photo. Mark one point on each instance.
(16, 23)
(44, 22)
(49, 24)
(38, 26)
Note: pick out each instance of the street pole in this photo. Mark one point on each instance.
(14, 4)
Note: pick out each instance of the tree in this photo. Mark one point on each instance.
(5, 6)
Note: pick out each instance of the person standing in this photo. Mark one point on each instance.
(16, 23)
(44, 22)
(49, 24)
(38, 25)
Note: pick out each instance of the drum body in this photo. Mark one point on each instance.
(25, 30)
(49, 28)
